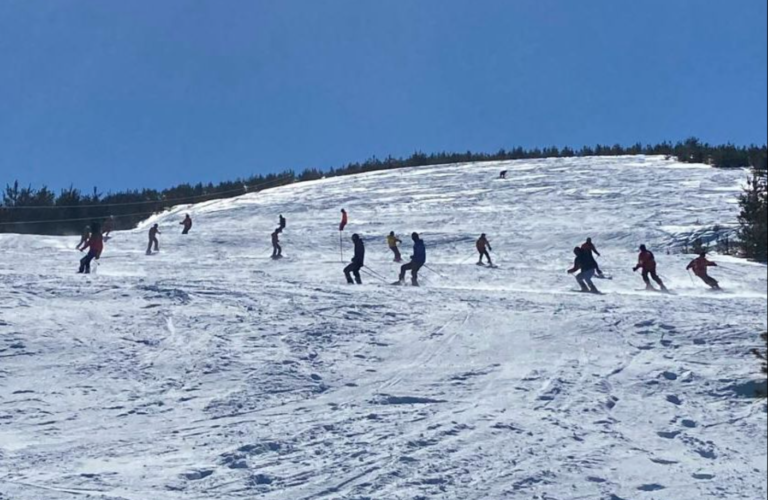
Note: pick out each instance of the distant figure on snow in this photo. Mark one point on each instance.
(588, 246)
(282, 222)
(392, 242)
(503, 174)
(699, 266)
(109, 226)
(187, 223)
(585, 263)
(358, 261)
(277, 250)
(418, 260)
(344, 220)
(153, 243)
(647, 262)
(96, 245)
(84, 237)
(483, 247)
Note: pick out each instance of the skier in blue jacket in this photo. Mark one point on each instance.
(418, 260)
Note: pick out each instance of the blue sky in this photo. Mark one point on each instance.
(146, 93)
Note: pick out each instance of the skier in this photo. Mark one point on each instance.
(96, 244)
(418, 259)
(588, 246)
(344, 220)
(647, 262)
(187, 223)
(283, 222)
(699, 266)
(277, 250)
(483, 246)
(109, 226)
(503, 174)
(392, 242)
(153, 232)
(84, 237)
(358, 261)
(585, 263)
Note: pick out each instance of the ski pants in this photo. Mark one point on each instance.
(186, 230)
(85, 262)
(709, 280)
(277, 250)
(585, 279)
(398, 255)
(484, 253)
(353, 268)
(414, 268)
(153, 243)
(651, 273)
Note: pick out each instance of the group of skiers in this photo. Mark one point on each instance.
(418, 259)
(585, 266)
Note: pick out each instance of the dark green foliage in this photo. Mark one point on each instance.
(40, 211)
(753, 219)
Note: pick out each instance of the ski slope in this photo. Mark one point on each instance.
(209, 371)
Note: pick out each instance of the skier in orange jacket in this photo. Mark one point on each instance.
(699, 267)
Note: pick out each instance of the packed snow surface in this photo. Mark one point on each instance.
(209, 371)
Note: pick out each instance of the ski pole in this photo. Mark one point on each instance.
(691, 277)
(341, 247)
(374, 273)
(437, 273)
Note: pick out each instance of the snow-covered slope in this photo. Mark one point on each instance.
(209, 371)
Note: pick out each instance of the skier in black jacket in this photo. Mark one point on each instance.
(358, 261)
(585, 263)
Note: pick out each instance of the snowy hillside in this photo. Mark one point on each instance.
(209, 371)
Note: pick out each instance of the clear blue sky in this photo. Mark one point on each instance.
(127, 94)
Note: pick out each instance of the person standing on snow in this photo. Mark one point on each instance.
(588, 246)
(96, 245)
(647, 262)
(109, 226)
(483, 246)
(418, 260)
(699, 266)
(392, 242)
(187, 223)
(277, 250)
(344, 220)
(153, 232)
(358, 261)
(84, 237)
(585, 263)
(282, 223)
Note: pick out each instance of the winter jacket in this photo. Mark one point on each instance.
(419, 253)
(359, 257)
(483, 244)
(647, 261)
(392, 241)
(700, 265)
(96, 244)
(590, 247)
(584, 262)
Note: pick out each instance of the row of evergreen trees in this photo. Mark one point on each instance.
(41, 211)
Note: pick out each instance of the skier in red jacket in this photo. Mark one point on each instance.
(647, 262)
(96, 245)
(344, 220)
(699, 266)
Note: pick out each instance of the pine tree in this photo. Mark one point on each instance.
(753, 219)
